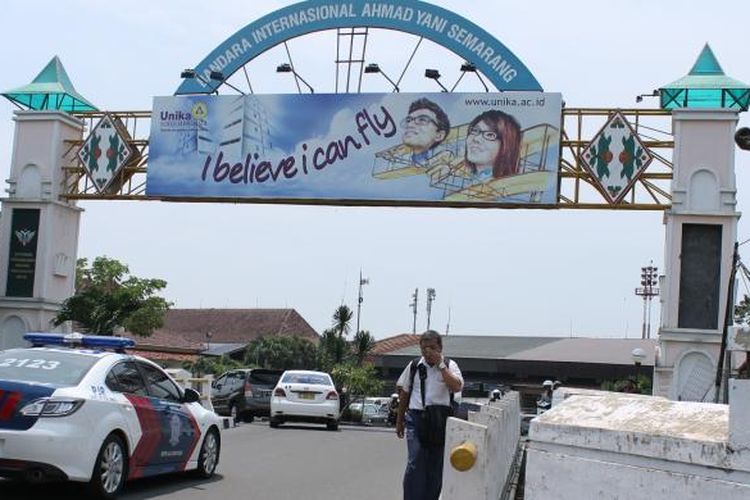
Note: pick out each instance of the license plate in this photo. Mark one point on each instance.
(307, 395)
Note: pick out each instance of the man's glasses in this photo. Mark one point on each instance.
(487, 135)
(419, 120)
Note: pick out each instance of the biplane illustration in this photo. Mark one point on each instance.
(447, 170)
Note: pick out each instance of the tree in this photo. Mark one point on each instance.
(359, 380)
(341, 318)
(332, 350)
(742, 311)
(205, 365)
(362, 345)
(107, 297)
(282, 353)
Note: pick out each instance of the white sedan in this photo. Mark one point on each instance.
(73, 410)
(305, 396)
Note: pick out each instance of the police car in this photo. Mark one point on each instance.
(77, 407)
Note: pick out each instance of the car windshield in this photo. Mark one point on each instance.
(306, 378)
(266, 377)
(45, 366)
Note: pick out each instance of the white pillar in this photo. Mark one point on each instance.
(701, 229)
(32, 287)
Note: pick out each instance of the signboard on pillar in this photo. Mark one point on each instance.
(22, 256)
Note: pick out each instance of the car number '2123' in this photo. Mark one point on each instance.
(30, 363)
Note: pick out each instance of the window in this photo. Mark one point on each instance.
(125, 378)
(307, 378)
(45, 366)
(158, 383)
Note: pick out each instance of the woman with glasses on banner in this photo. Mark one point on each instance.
(493, 145)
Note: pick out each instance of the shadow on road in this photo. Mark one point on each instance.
(137, 489)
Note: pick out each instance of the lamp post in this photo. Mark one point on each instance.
(362, 281)
(434, 74)
(430, 298)
(287, 68)
(468, 67)
(374, 68)
(638, 356)
(648, 291)
(413, 305)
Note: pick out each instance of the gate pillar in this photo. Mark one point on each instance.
(701, 229)
(38, 231)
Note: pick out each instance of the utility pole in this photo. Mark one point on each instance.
(648, 291)
(430, 298)
(413, 305)
(448, 324)
(362, 281)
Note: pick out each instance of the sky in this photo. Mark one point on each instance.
(495, 271)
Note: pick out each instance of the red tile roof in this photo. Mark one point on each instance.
(187, 328)
(395, 343)
(158, 356)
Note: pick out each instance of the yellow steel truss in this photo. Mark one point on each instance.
(578, 189)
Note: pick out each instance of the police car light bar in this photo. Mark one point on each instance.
(78, 340)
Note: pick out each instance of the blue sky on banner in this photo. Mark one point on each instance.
(515, 272)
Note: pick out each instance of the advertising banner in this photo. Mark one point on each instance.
(24, 234)
(441, 149)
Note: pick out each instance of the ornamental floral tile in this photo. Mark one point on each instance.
(616, 158)
(105, 152)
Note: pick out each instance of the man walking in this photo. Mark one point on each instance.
(425, 399)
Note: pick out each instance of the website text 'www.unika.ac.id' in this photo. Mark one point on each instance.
(533, 102)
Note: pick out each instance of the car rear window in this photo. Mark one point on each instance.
(264, 377)
(45, 366)
(306, 378)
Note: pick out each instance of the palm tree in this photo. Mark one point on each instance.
(341, 319)
(363, 343)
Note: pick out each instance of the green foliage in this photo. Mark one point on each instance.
(362, 380)
(341, 318)
(742, 311)
(362, 345)
(641, 385)
(211, 365)
(107, 297)
(332, 351)
(282, 353)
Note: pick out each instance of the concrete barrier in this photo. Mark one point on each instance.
(602, 445)
(492, 436)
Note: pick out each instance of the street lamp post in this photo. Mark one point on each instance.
(362, 281)
(430, 298)
(648, 291)
(413, 305)
(638, 356)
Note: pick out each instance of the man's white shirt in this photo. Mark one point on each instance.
(436, 390)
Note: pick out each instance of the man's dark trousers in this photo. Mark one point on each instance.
(423, 478)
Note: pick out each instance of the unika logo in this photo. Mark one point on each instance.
(175, 116)
(200, 111)
(25, 236)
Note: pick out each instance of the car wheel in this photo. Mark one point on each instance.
(332, 426)
(274, 422)
(110, 468)
(209, 455)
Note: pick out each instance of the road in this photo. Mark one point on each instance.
(258, 463)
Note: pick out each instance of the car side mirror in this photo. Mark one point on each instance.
(191, 396)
